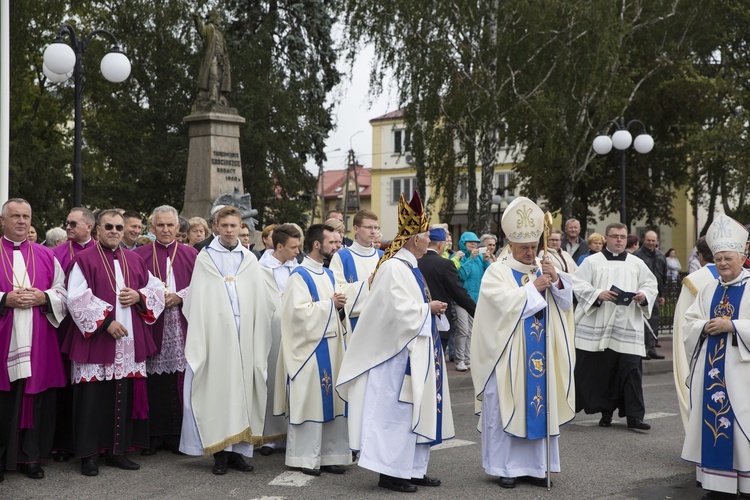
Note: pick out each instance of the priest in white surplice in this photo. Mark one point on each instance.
(691, 285)
(393, 373)
(717, 332)
(312, 347)
(229, 335)
(609, 330)
(511, 360)
(352, 266)
(280, 261)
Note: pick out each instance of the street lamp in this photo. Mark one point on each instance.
(61, 61)
(622, 139)
(502, 199)
(321, 181)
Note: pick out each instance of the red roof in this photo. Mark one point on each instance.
(334, 180)
(392, 115)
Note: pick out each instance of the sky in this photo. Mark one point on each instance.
(353, 112)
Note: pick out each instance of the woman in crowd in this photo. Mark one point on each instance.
(596, 242)
(198, 232)
(673, 265)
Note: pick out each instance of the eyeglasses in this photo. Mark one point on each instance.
(110, 227)
(70, 223)
(554, 240)
(371, 228)
(617, 236)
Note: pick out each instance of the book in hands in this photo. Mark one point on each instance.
(623, 298)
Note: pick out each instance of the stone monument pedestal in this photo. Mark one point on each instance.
(214, 163)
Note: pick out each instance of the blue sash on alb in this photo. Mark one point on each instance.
(438, 357)
(535, 336)
(322, 355)
(717, 437)
(350, 271)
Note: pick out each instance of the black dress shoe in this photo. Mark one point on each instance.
(121, 462)
(333, 469)
(637, 424)
(150, 451)
(89, 466)
(508, 482)
(221, 461)
(534, 481)
(652, 354)
(32, 470)
(63, 456)
(310, 472)
(236, 462)
(606, 420)
(396, 484)
(266, 450)
(425, 481)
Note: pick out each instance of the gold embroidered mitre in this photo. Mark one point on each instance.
(523, 221)
(726, 235)
(411, 221)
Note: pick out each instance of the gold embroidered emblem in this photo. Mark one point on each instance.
(325, 382)
(538, 401)
(536, 364)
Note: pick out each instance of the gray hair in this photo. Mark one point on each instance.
(166, 209)
(485, 237)
(55, 236)
(88, 215)
(13, 200)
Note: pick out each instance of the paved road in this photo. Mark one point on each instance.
(613, 463)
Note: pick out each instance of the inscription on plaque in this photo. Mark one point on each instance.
(228, 164)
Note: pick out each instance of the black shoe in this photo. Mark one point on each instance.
(266, 450)
(310, 472)
(718, 495)
(236, 462)
(150, 451)
(652, 354)
(508, 482)
(2, 473)
(396, 484)
(32, 470)
(637, 424)
(221, 461)
(63, 456)
(606, 420)
(89, 466)
(657, 345)
(333, 469)
(425, 481)
(121, 462)
(534, 481)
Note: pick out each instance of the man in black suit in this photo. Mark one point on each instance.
(442, 279)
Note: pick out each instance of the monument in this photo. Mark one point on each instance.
(214, 163)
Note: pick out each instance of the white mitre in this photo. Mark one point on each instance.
(523, 221)
(726, 235)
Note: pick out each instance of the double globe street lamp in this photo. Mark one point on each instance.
(622, 139)
(63, 60)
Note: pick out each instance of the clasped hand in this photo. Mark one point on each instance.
(25, 298)
(129, 297)
(715, 326)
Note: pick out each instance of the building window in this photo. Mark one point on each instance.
(462, 192)
(405, 185)
(401, 141)
(502, 182)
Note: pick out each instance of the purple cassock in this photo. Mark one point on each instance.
(173, 266)
(64, 253)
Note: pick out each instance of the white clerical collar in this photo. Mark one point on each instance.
(312, 264)
(15, 243)
(744, 274)
(216, 245)
(406, 255)
(84, 243)
(268, 261)
(162, 244)
(362, 250)
(520, 266)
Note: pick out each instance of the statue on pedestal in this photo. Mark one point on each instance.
(214, 79)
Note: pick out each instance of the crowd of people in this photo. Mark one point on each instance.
(186, 338)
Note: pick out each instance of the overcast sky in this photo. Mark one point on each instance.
(353, 113)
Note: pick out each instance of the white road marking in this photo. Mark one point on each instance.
(452, 443)
(649, 416)
(268, 498)
(291, 478)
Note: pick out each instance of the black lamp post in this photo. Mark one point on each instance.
(622, 139)
(60, 61)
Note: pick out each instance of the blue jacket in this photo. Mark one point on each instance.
(472, 269)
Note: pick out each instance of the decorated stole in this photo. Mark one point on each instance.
(714, 272)
(350, 271)
(438, 357)
(717, 435)
(535, 337)
(322, 355)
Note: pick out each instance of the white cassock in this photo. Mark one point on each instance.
(393, 416)
(499, 367)
(561, 260)
(353, 281)
(274, 430)
(691, 284)
(608, 326)
(229, 335)
(312, 347)
(736, 378)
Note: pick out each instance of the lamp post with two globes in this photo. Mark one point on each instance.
(63, 60)
(622, 139)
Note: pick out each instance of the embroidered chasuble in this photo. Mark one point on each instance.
(352, 267)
